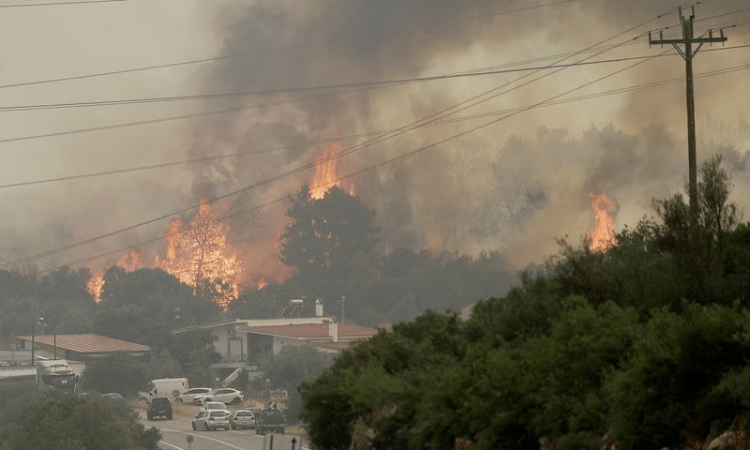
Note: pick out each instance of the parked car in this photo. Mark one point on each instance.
(270, 420)
(215, 405)
(242, 419)
(159, 407)
(224, 395)
(189, 395)
(211, 419)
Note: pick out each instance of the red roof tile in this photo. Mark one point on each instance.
(87, 343)
(311, 331)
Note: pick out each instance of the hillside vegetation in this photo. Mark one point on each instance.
(645, 345)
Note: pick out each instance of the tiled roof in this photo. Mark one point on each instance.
(311, 331)
(87, 343)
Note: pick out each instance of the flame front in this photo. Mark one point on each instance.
(196, 253)
(327, 173)
(602, 237)
(199, 252)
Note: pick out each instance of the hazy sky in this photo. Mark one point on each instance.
(279, 44)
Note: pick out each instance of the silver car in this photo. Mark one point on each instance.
(211, 419)
(243, 419)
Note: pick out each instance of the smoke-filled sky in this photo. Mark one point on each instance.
(513, 186)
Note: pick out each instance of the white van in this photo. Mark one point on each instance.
(168, 387)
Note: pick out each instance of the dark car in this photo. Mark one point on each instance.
(270, 420)
(159, 407)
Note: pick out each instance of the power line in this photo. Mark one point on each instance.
(310, 88)
(376, 133)
(502, 13)
(199, 61)
(62, 3)
(476, 99)
(465, 74)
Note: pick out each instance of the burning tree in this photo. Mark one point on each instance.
(199, 255)
(602, 237)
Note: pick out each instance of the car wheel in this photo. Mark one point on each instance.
(169, 417)
(150, 417)
(194, 426)
(257, 430)
(234, 427)
(282, 431)
(237, 400)
(205, 400)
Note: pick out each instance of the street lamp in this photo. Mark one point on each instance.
(33, 335)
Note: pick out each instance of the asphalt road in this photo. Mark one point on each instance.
(176, 431)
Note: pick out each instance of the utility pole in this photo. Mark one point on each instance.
(688, 54)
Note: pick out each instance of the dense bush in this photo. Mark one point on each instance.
(646, 344)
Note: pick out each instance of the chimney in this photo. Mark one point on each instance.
(333, 329)
(318, 308)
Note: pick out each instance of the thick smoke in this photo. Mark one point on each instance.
(514, 186)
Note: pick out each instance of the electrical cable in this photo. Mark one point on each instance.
(184, 63)
(49, 106)
(62, 3)
(372, 133)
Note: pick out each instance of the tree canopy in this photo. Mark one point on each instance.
(67, 421)
(645, 345)
(325, 236)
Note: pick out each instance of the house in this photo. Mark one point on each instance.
(244, 341)
(326, 335)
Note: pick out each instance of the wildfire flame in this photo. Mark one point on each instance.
(197, 252)
(327, 173)
(602, 237)
(129, 261)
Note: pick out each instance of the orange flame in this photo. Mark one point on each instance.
(196, 252)
(199, 252)
(327, 173)
(130, 261)
(602, 237)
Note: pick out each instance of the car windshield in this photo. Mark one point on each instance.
(160, 401)
(244, 414)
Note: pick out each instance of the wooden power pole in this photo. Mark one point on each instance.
(688, 54)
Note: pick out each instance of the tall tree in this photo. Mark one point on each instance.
(326, 236)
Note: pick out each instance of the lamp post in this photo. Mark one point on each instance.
(343, 301)
(33, 334)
